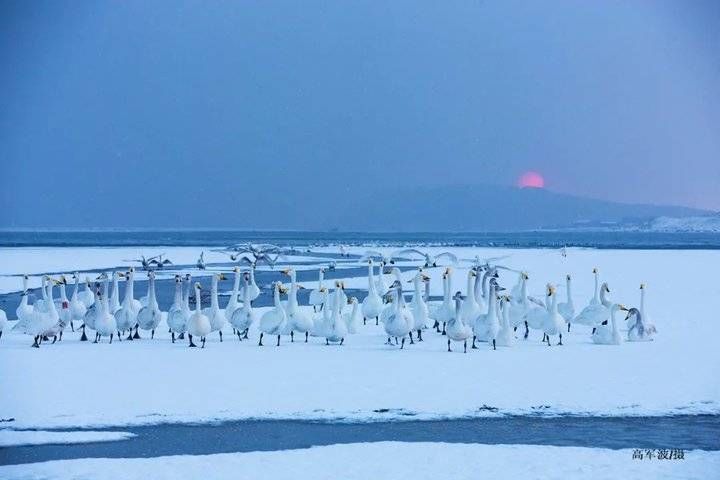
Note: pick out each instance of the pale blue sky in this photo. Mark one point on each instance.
(109, 107)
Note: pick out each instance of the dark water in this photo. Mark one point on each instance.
(685, 431)
(223, 238)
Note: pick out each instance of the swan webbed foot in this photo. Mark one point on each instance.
(203, 342)
(260, 342)
(278, 342)
(449, 345)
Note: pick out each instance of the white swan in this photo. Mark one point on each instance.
(553, 323)
(213, 312)
(87, 296)
(233, 303)
(105, 324)
(352, 318)
(506, 335)
(126, 316)
(380, 285)
(337, 328)
(597, 311)
(176, 315)
(594, 301)
(114, 301)
(640, 327)
(254, 289)
(148, 318)
(400, 321)
(297, 319)
(446, 310)
(470, 309)
(198, 323)
(519, 303)
(372, 305)
(243, 317)
(42, 321)
(77, 307)
(273, 320)
(24, 310)
(321, 318)
(316, 296)
(90, 314)
(567, 308)
(607, 333)
(64, 308)
(486, 325)
(418, 307)
(456, 330)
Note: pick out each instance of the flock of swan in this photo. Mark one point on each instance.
(486, 313)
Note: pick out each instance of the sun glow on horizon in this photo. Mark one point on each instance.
(531, 179)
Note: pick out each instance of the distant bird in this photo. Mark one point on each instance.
(430, 260)
(148, 263)
(200, 264)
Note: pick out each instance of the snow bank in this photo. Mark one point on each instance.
(81, 384)
(392, 460)
(15, 438)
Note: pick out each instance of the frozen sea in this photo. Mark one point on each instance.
(151, 408)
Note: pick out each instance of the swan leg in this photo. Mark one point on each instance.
(377, 319)
(560, 342)
(152, 334)
(449, 345)
(364, 320)
(473, 343)
(327, 342)
(130, 335)
(260, 342)
(306, 336)
(173, 336)
(191, 344)
(54, 340)
(411, 339)
(443, 331)
(220, 332)
(548, 340)
(568, 328)
(494, 344)
(292, 336)
(342, 340)
(59, 339)
(396, 341)
(83, 337)
(72, 326)
(203, 342)
(593, 331)
(278, 344)
(246, 332)
(436, 326)
(181, 336)
(465, 346)
(403, 343)
(169, 330)
(35, 342)
(239, 334)
(527, 331)
(0, 333)
(419, 332)
(544, 335)
(137, 335)
(111, 337)
(120, 338)
(389, 342)
(96, 337)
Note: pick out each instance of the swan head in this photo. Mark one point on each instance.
(642, 286)
(595, 270)
(632, 312)
(236, 269)
(567, 277)
(198, 287)
(619, 306)
(605, 288)
(178, 279)
(281, 288)
(524, 276)
(472, 273)
(550, 290)
(221, 276)
(286, 271)
(151, 275)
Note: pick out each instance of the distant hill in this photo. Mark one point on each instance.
(486, 208)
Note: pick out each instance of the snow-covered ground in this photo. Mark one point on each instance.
(414, 461)
(81, 384)
(40, 437)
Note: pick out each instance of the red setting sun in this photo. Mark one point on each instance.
(531, 179)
